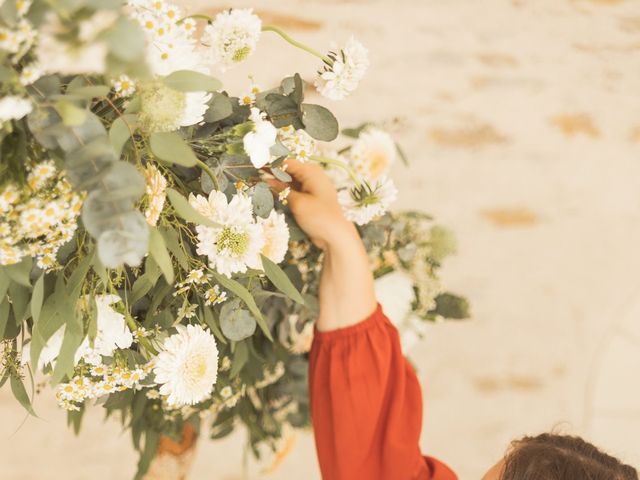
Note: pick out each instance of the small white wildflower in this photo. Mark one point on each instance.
(124, 86)
(14, 108)
(257, 143)
(213, 296)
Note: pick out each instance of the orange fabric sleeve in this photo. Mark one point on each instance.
(366, 406)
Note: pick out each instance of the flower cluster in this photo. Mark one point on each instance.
(39, 217)
(97, 381)
(298, 142)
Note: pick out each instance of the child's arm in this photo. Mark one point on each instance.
(346, 286)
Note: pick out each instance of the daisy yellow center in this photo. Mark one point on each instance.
(232, 240)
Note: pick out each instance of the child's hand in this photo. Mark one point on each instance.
(346, 286)
(314, 204)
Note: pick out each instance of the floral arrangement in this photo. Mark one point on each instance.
(146, 264)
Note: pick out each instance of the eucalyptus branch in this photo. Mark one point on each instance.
(208, 171)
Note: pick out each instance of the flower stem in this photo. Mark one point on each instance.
(338, 163)
(197, 16)
(208, 171)
(271, 28)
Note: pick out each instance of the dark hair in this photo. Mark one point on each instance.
(562, 457)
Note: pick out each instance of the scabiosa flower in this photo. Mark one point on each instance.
(363, 203)
(258, 142)
(14, 108)
(232, 36)
(163, 109)
(373, 154)
(300, 143)
(237, 242)
(276, 236)
(341, 76)
(187, 366)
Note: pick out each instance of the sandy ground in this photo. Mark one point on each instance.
(522, 120)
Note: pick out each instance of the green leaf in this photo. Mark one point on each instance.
(74, 285)
(72, 115)
(190, 81)
(240, 358)
(262, 200)
(152, 440)
(4, 316)
(37, 297)
(19, 272)
(213, 325)
(89, 92)
(220, 108)
(283, 111)
(74, 419)
(17, 387)
(452, 306)
(160, 254)
(186, 211)
(319, 122)
(73, 337)
(171, 148)
(19, 301)
(126, 40)
(171, 240)
(237, 288)
(280, 280)
(121, 130)
(4, 282)
(236, 323)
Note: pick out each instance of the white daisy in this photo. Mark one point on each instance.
(237, 242)
(124, 86)
(363, 203)
(257, 143)
(112, 333)
(373, 154)
(187, 366)
(14, 108)
(337, 80)
(300, 143)
(276, 236)
(232, 36)
(30, 73)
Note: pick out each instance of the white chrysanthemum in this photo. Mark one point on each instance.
(395, 292)
(14, 108)
(163, 109)
(112, 333)
(232, 36)
(57, 56)
(276, 236)
(257, 143)
(187, 366)
(237, 242)
(362, 204)
(373, 154)
(338, 80)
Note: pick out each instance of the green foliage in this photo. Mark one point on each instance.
(281, 280)
(452, 306)
(171, 148)
(190, 81)
(236, 323)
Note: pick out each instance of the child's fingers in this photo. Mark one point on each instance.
(311, 177)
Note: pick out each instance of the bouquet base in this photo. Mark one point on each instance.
(173, 460)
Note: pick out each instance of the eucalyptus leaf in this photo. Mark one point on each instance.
(71, 114)
(211, 322)
(89, 92)
(121, 130)
(236, 323)
(191, 81)
(17, 387)
(239, 290)
(19, 272)
(240, 358)
(319, 122)
(73, 337)
(262, 200)
(158, 251)
(37, 297)
(281, 175)
(172, 241)
(219, 108)
(129, 246)
(171, 147)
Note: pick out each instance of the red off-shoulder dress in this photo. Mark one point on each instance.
(366, 406)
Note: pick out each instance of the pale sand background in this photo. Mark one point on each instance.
(522, 120)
